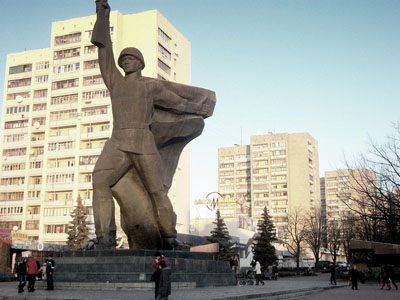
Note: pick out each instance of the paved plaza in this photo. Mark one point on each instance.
(368, 291)
(283, 288)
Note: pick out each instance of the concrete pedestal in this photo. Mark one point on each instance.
(134, 266)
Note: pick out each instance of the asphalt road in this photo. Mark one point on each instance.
(368, 291)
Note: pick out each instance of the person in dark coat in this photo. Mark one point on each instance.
(390, 273)
(157, 271)
(353, 274)
(385, 278)
(165, 282)
(333, 274)
(50, 265)
(21, 274)
(31, 270)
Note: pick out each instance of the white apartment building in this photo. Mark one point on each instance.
(57, 117)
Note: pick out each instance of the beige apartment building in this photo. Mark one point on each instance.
(57, 117)
(279, 171)
(340, 191)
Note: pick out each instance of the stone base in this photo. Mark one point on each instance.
(115, 267)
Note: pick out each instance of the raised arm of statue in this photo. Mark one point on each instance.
(102, 39)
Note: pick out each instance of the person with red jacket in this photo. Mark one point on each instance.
(157, 271)
(31, 271)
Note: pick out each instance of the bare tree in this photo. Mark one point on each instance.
(375, 190)
(295, 235)
(313, 237)
(334, 238)
(349, 227)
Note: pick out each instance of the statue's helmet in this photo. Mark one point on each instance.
(131, 51)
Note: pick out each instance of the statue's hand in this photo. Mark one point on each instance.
(205, 109)
(102, 5)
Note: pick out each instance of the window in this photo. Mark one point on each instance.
(13, 167)
(13, 196)
(164, 67)
(88, 160)
(67, 53)
(163, 36)
(92, 80)
(12, 181)
(66, 68)
(33, 194)
(65, 84)
(40, 93)
(32, 225)
(73, 98)
(95, 94)
(14, 138)
(17, 109)
(90, 49)
(40, 106)
(41, 121)
(14, 96)
(41, 79)
(93, 111)
(67, 39)
(20, 69)
(60, 178)
(61, 146)
(91, 64)
(14, 152)
(164, 52)
(43, 65)
(62, 228)
(64, 115)
(16, 124)
(19, 82)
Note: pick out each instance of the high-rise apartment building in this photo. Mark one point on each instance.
(341, 191)
(57, 117)
(279, 171)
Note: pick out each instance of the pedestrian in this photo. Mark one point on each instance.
(333, 274)
(165, 282)
(50, 265)
(257, 269)
(385, 280)
(275, 271)
(353, 274)
(21, 274)
(390, 273)
(157, 271)
(31, 271)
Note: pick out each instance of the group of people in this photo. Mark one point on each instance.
(161, 277)
(29, 269)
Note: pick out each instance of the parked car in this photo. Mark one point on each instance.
(323, 264)
(342, 266)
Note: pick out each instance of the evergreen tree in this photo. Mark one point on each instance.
(78, 231)
(263, 250)
(220, 235)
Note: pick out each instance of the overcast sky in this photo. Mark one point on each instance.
(331, 68)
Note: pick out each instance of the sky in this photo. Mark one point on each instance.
(329, 68)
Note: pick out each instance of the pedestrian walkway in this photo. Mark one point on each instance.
(284, 288)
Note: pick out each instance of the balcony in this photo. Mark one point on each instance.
(62, 138)
(34, 187)
(38, 113)
(61, 153)
(64, 106)
(96, 102)
(59, 186)
(14, 159)
(37, 143)
(60, 170)
(65, 91)
(12, 188)
(64, 123)
(58, 203)
(15, 117)
(87, 152)
(10, 145)
(15, 130)
(13, 173)
(86, 168)
(96, 135)
(41, 128)
(35, 172)
(85, 185)
(96, 118)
